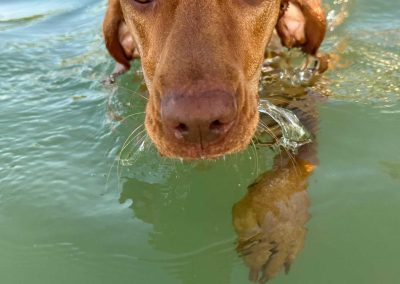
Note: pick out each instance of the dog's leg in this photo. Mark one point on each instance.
(119, 69)
(119, 41)
(128, 46)
(302, 24)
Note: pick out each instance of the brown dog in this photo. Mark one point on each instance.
(201, 61)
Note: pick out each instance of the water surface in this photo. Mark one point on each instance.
(71, 213)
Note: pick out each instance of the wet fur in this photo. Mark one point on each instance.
(186, 46)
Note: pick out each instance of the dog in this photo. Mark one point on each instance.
(201, 61)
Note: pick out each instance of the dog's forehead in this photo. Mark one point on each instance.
(199, 5)
(163, 14)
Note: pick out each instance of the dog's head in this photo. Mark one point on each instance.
(201, 61)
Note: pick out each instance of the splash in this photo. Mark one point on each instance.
(284, 78)
(294, 134)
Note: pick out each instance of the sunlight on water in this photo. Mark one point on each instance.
(337, 13)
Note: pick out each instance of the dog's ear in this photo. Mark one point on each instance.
(302, 23)
(112, 25)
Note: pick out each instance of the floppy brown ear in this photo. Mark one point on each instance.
(112, 24)
(302, 24)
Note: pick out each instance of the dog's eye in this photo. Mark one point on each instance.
(257, 2)
(142, 5)
(143, 1)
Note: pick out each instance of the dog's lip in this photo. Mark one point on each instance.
(200, 154)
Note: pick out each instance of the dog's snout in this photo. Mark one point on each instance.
(199, 118)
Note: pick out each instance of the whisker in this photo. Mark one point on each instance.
(135, 92)
(109, 173)
(290, 156)
(133, 114)
(141, 143)
(268, 129)
(118, 158)
(256, 157)
(293, 160)
(126, 143)
(149, 143)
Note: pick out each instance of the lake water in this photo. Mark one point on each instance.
(72, 212)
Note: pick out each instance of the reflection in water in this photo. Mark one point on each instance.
(270, 219)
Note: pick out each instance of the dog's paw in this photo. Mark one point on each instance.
(119, 69)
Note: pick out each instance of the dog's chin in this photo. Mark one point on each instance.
(197, 152)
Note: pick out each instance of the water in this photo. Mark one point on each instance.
(294, 133)
(74, 208)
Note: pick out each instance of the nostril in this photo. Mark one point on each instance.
(216, 125)
(181, 130)
(219, 127)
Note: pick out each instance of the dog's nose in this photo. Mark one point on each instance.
(198, 118)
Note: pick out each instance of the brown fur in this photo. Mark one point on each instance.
(270, 220)
(187, 46)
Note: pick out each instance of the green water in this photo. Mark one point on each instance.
(71, 213)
